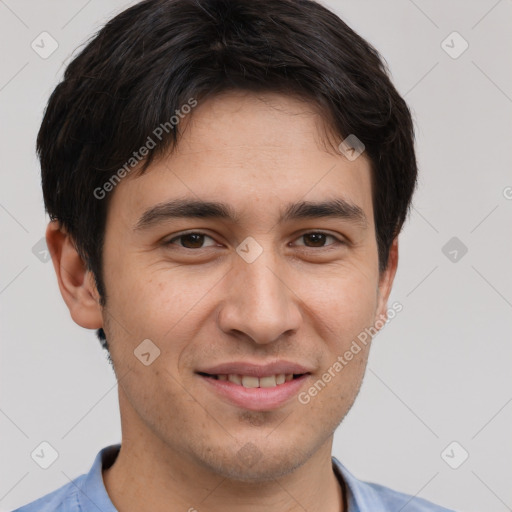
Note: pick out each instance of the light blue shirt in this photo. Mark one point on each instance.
(87, 493)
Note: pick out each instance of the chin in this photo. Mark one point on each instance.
(255, 463)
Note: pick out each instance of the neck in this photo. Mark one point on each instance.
(147, 476)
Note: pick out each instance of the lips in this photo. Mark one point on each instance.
(246, 395)
(250, 381)
(256, 387)
(247, 369)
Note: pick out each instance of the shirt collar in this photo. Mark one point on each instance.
(93, 495)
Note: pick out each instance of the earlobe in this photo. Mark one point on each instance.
(386, 282)
(76, 283)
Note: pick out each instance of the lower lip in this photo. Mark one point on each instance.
(256, 399)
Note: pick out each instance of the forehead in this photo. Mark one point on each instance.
(251, 151)
(254, 120)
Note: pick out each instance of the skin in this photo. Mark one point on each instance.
(298, 301)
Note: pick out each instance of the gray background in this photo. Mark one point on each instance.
(439, 372)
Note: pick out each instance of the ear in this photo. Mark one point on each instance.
(386, 283)
(76, 283)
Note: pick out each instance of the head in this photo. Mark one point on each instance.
(199, 198)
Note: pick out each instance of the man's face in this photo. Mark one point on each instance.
(298, 291)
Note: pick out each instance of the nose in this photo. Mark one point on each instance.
(259, 300)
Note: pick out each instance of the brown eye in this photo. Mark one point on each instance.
(190, 240)
(317, 239)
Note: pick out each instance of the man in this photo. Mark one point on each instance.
(226, 182)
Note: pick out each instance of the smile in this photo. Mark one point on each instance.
(254, 393)
(251, 381)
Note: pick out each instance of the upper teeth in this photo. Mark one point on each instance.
(249, 381)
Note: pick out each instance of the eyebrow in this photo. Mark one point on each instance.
(198, 209)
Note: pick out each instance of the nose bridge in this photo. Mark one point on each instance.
(259, 303)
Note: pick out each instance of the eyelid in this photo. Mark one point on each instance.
(185, 233)
(338, 240)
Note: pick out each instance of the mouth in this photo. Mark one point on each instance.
(252, 381)
(254, 386)
(254, 389)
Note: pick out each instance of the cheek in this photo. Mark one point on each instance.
(333, 393)
(343, 301)
(168, 307)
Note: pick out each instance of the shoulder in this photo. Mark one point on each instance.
(368, 496)
(86, 493)
(391, 500)
(63, 499)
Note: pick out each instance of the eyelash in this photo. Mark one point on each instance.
(337, 240)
